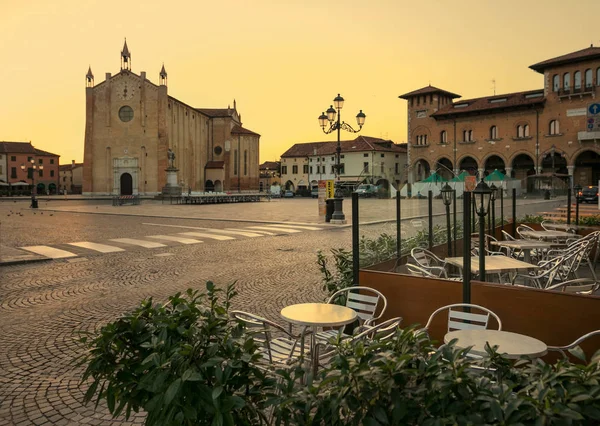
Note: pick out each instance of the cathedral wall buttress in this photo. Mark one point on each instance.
(88, 147)
(163, 138)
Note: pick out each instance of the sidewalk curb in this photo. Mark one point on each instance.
(11, 262)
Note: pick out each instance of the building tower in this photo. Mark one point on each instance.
(163, 76)
(125, 58)
(89, 78)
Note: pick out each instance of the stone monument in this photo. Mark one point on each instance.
(172, 188)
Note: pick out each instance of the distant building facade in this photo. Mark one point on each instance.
(538, 132)
(364, 159)
(131, 123)
(15, 154)
(71, 178)
(269, 175)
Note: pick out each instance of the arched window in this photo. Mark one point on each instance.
(526, 130)
(566, 81)
(443, 136)
(520, 133)
(588, 78)
(555, 83)
(493, 132)
(470, 135)
(425, 139)
(577, 80)
(554, 128)
(464, 135)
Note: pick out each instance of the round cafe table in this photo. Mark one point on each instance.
(317, 315)
(511, 345)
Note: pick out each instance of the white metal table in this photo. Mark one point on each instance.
(317, 315)
(493, 264)
(548, 235)
(512, 345)
(525, 246)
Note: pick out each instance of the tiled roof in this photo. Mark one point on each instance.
(67, 167)
(17, 148)
(271, 165)
(40, 152)
(242, 131)
(216, 112)
(581, 55)
(491, 103)
(427, 90)
(214, 164)
(360, 144)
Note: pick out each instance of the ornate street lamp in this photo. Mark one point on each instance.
(34, 167)
(578, 194)
(492, 213)
(329, 119)
(482, 194)
(447, 194)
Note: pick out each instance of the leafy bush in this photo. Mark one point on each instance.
(531, 219)
(590, 220)
(408, 381)
(181, 362)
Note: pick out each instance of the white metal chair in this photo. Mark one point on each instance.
(522, 228)
(460, 320)
(577, 286)
(365, 304)
(381, 332)
(275, 351)
(427, 260)
(576, 343)
(431, 272)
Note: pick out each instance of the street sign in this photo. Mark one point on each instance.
(594, 109)
(593, 124)
(470, 183)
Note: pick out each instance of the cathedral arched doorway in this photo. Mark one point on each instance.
(422, 170)
(218, 186)
(209, 186)
(523, 166)
(587, 168)
(289, 186)
(443, 167)
(126, 184)
(469, 165)
(494, 162)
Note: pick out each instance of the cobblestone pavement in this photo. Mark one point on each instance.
(44, 306)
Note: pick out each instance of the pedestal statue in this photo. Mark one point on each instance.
(172, 188)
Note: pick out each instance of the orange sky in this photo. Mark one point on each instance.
(283, 61)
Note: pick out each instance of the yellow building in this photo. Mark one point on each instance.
(131, 123)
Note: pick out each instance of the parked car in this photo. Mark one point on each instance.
(589, 194)
(288, 194)
(314, 193)
(366, 190)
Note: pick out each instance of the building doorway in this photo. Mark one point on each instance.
(218, 186)
(126, 184)
(209, 186)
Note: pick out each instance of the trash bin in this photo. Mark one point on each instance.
(34, 203)
(547, 195)
(329, 209)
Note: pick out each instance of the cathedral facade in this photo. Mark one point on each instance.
(131, 123)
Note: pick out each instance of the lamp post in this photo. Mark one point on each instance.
(330, 119)
(493, 196)
(268, 187)
(482, 194)
(447, 194)
(34, 167)
(577, 201)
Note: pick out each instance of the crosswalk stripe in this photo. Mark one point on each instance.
(270, 228)
(236, 232)
(308, 228)
(141, 243)
(102, 248)
(51, 252)
(175, 238)
(205, 235)
(258, 232)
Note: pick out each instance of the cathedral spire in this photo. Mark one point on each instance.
(125, 57)
(89, 77)
(163, 76)
(234, 106)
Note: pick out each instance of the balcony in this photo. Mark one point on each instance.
(577, 91)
